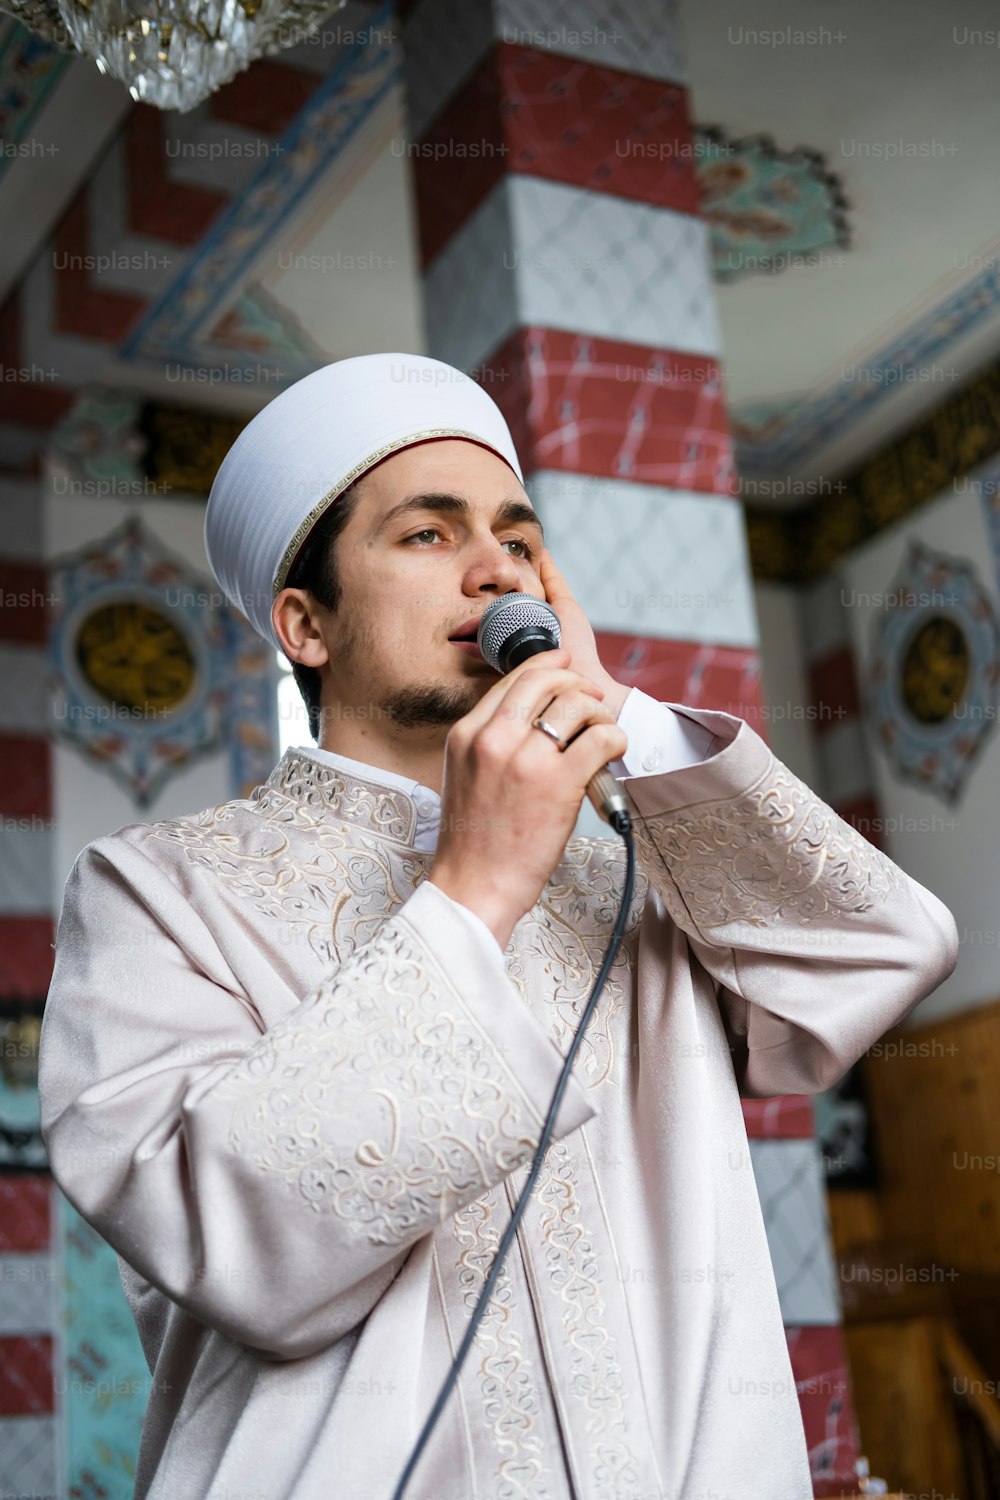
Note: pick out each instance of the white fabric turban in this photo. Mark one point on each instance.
(311, 443)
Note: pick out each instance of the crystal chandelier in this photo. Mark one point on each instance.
(173, 53)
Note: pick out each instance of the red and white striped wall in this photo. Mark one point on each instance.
(28, 1267)
(29, 1337)
(566, 266)
(26, 930)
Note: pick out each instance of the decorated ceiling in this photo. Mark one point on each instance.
(176, 255)
(153, 275)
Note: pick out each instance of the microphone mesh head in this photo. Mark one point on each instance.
(508, 614)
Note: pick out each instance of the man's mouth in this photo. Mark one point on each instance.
(466, 638)
(467, 632)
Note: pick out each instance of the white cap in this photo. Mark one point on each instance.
(311, 443)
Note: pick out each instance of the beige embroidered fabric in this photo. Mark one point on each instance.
(299, 1096)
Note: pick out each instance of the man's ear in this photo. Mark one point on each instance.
(295, 617)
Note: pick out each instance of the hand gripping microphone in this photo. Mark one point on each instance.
(517, 626)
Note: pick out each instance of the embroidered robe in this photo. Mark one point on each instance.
(298, 1094)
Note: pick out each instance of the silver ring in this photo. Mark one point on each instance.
(553, 734)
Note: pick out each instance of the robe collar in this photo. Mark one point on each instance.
(320, 791)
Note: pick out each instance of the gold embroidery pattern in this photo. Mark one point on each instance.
(507, 1381)
(596, 1382)
(387, 1048)
(567, 934)
(330, 881)
(777, 852)
(315, 791)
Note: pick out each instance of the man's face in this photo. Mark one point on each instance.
(439, 531)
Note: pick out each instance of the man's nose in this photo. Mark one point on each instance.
(493, 567)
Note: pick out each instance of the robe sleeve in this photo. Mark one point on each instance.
(817, 941)
(272, 1181)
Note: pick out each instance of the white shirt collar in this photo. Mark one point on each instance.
(426, 801)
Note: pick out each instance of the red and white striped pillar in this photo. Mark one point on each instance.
(566, 267)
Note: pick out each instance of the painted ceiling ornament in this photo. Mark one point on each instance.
(97, 447)
(766, 209)
(934, 671)
(257, 324)
(29, 71)
(173, 53)
(142, 651)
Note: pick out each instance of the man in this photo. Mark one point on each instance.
(298, 1048)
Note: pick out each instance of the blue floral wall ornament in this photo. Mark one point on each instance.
(150, 664)
(934, 670)
(21, 1144)
(766, 209)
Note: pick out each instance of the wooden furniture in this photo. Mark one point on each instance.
(977, 1413)
(920, 1261)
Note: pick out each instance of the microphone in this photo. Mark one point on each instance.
(517, 626)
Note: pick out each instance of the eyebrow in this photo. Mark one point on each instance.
(508, 512)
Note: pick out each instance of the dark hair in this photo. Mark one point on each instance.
(315, 569)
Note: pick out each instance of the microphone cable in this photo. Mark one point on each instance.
(622, 824)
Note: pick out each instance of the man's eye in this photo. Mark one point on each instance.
(516, 541)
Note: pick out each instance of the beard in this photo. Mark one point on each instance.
(421, 707)
(418, 705)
